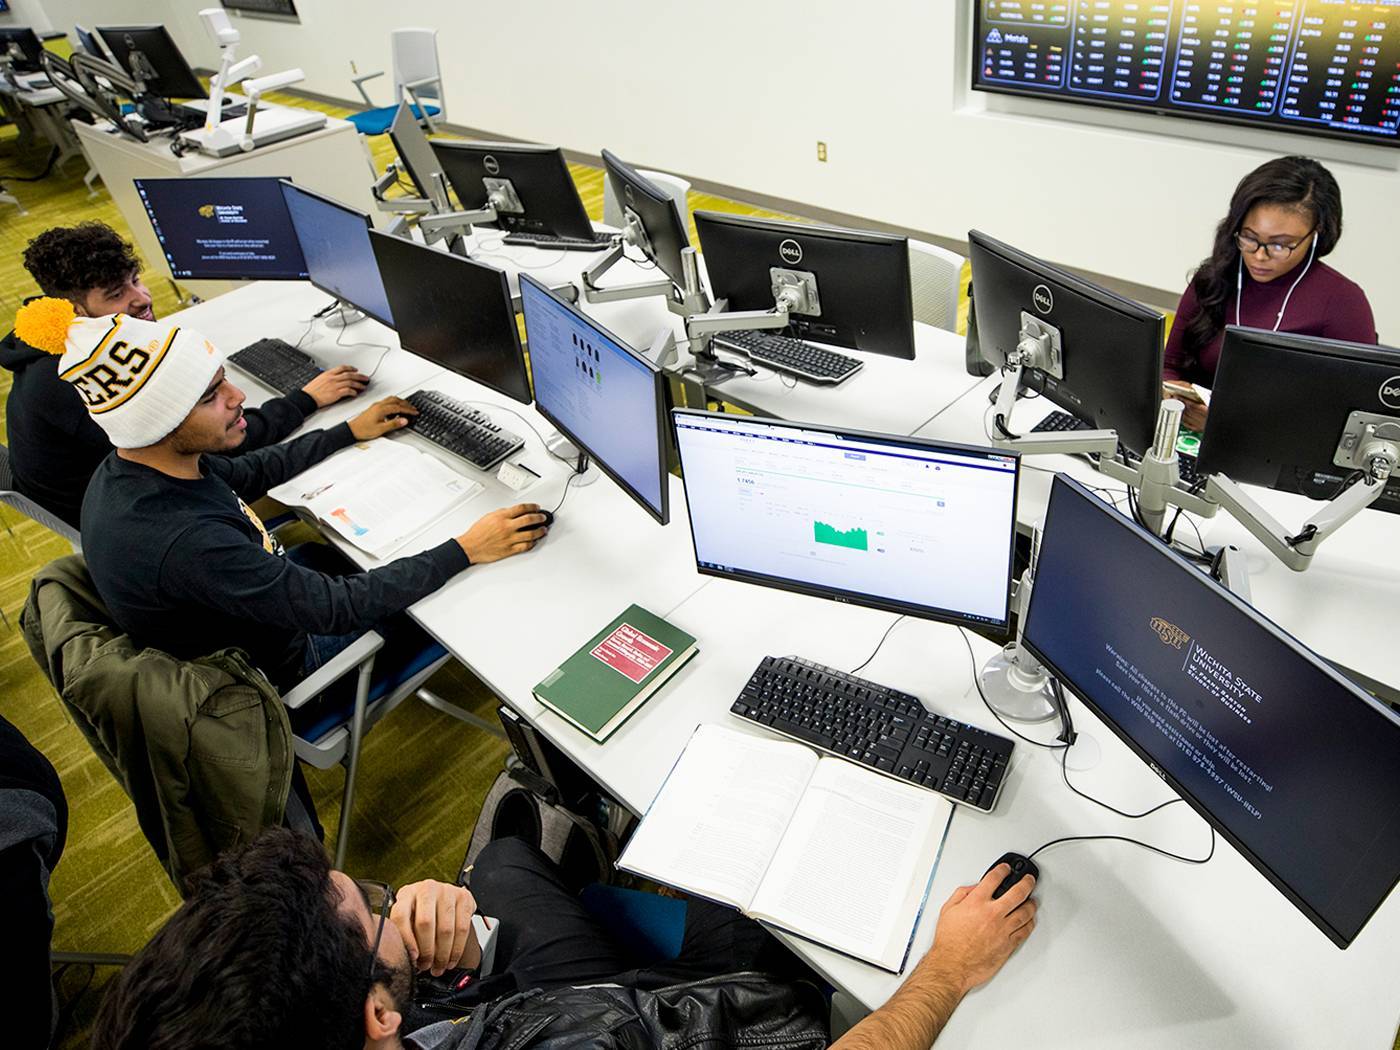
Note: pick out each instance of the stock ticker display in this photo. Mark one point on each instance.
(1322, 66)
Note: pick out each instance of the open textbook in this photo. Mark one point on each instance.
(813, 846)
(378, 494)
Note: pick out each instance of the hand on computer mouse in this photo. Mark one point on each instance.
(977, 932)
(511, 530)
(336, 384)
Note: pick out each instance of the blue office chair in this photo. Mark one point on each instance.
(416, 73)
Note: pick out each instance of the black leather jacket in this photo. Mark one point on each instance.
(746, 1010)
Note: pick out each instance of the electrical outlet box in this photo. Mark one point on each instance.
(821, 151)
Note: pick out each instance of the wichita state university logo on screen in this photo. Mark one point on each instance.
(1169, 632)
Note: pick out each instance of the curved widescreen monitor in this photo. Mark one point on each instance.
(917, 527)
(1326, 67)
(601, 394)
(1297, 767)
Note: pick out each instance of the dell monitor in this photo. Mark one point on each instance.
(534, 191)
(656, 220)
(1288, 412)
(416, 154)
(1289, 761)
(89, 42)
(918, 527)
(223, 229)
(23, 48)
(599, 393)
(453, 312)
(1108, 371)
(862, 278)
(334, 242)
(150, 56)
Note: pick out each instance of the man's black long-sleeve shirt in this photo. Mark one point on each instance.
(55, 446)
(183, 568)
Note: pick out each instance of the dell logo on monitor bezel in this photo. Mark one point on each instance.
(1042, 298)
(1389, 393)
(790, 252)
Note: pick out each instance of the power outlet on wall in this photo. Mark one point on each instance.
(821, 152)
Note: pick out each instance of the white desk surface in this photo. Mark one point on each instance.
(889, 395)
(282, 310)
(1130, 949)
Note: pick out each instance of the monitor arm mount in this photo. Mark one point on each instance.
(1369, 446)
(794, 292)
(12, 56)
(97, 86)
(501, 199)
(1038, 348)
(1015, 683)
(1157, 475)
(685, 301)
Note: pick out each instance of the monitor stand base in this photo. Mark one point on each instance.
(1017, 687)
(342, 315)
(585, 473)
(1084, 754)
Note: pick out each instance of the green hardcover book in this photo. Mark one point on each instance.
(599, 687)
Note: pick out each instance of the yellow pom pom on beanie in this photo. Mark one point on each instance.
(43, 324)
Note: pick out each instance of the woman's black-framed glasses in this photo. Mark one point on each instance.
(1249, 245)
(379, 897)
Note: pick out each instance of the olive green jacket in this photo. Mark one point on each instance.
(202, 747)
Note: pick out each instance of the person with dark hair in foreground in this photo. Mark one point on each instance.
(54, 445)
(273, 948)
(33, 830)
(1265, 271)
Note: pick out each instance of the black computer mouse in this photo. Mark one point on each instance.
(1020, 868)
(548, 521)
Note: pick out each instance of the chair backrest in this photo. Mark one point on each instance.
(416, 58)
(29, 508)
(935, 274)
(675, 187)
(202, 747)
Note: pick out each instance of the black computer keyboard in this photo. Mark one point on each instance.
(875, 726)
(784, 354)
(461, 429)
(276, 364)
(1060, 421)
(596, 243)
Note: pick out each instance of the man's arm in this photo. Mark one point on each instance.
(215, 564)
(275, 419)
(252, 475)
(975, 936)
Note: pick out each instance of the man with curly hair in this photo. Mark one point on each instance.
(54, 444)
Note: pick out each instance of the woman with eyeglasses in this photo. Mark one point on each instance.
(1266, 271)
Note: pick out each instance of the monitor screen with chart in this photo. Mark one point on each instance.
(1328, 67)
(896, 523)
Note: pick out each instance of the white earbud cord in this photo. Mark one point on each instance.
(1239, 286)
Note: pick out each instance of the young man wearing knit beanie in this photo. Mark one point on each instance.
(54, 445)
(181, 561)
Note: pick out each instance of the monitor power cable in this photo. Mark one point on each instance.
(878, 645)
(1065, 742)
